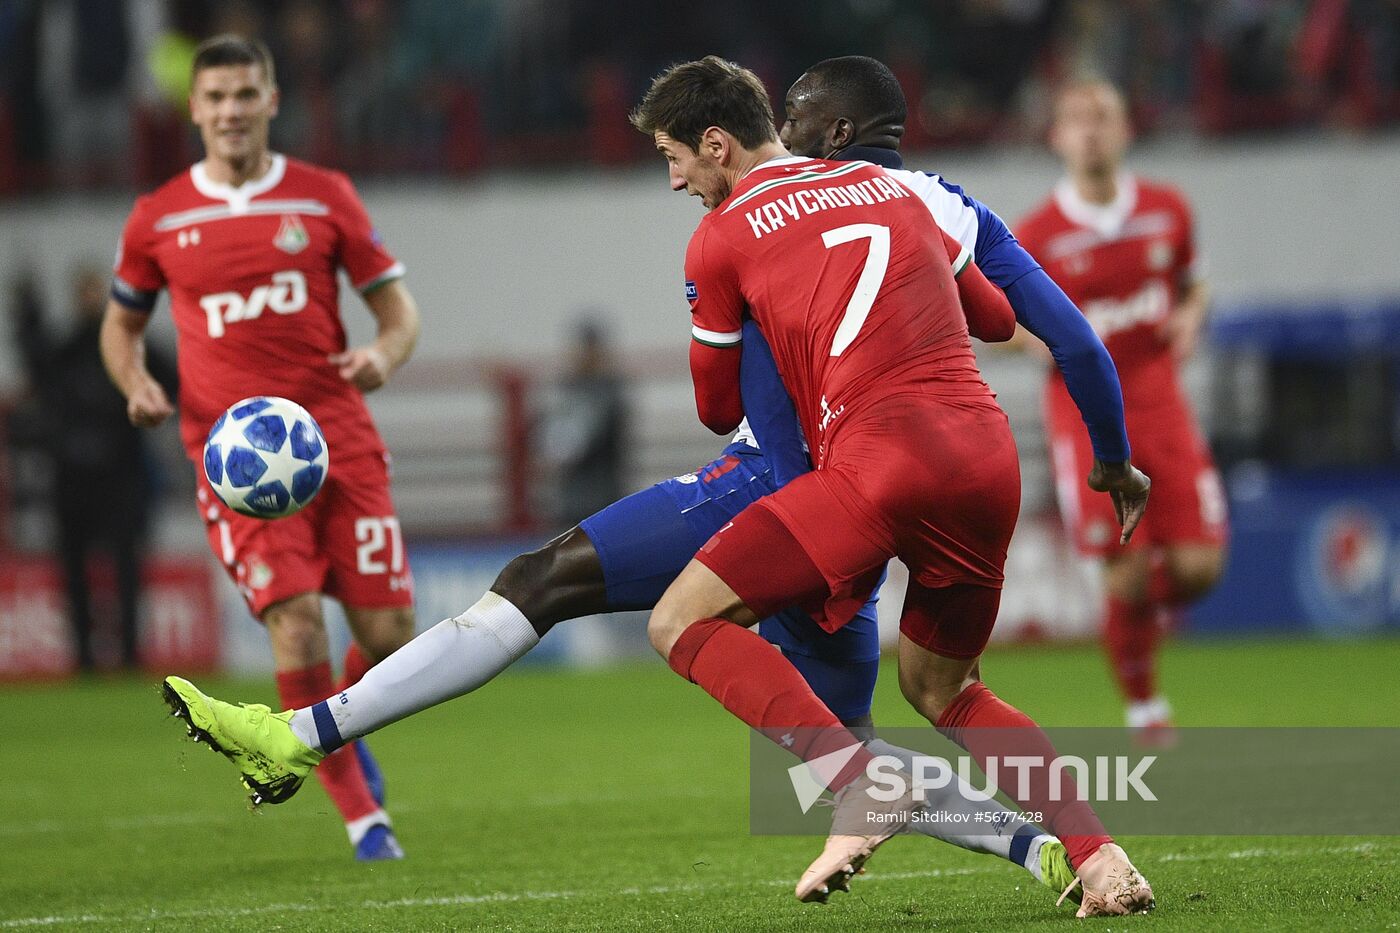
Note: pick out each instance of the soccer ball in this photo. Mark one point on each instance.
(266, 457)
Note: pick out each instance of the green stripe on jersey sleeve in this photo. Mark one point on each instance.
(396, 271)
(961, 262)
(715, 338)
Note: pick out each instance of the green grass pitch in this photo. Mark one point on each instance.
(617, 800)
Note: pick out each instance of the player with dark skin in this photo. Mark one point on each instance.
(615, 561)
(707, 120)
(824, 119)
(819, 121)
(623, 556)
(564, 579)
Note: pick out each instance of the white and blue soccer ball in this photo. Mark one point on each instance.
(266, 457)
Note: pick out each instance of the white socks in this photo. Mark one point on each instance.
(459, 655)
(454, 657)
(1143, 713)
(1000, 831)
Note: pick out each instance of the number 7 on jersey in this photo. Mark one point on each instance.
(877, 261)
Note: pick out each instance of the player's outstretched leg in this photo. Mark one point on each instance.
(297, 633)
(559, 581)
(276, 752)
(452, 658)
(562, 580)
(260, 743)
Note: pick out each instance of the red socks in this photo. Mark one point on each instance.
(1133, 633)
(988, 727)
(339, 772)
(756, 683)
(1131, 636)
(356, 664)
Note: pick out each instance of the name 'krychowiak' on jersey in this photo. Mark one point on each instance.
(835, 344)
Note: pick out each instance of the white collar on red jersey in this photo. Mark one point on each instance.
(238, 197)
(1104, 219)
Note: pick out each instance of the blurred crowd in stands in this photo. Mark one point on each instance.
(92, 92)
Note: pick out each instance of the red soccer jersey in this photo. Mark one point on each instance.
(1124, 265)
(845, 271)
(252, 278)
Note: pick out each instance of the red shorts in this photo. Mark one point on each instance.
(1187, 504)
(345, 544)
(932, 481)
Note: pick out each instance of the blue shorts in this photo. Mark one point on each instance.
(646, 539)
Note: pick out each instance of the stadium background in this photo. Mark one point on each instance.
(489, 141)
(490, 144)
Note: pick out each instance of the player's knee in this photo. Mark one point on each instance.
(514, 582)
(295, 628)
(1127, 577)
(530, 580)
(669, 619)
(664, 627)
(562, 580)
(929, 695)
(1195, 572)
(385, 633)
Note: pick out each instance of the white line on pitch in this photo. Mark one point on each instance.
(451, 900)
(507, 897)
(232, 814)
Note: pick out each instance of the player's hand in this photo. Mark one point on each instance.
(1128, 486)
(367, 367)
(148, 405)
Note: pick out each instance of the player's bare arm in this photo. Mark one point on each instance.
(1182, 328)
(123, 342)
(369, 367)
